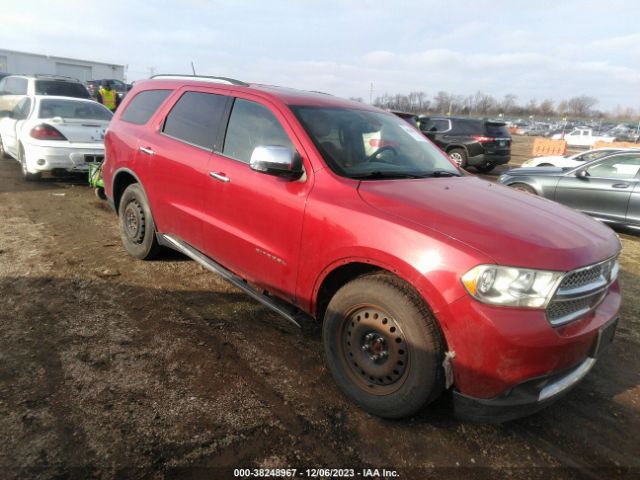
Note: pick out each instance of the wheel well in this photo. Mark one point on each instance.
(336, 280)
(452, 147)
(120, 184)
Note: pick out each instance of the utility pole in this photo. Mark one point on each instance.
(371, 94)
(152, 71)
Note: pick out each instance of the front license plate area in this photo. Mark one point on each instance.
(605, 337)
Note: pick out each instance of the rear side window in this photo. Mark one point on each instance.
(435, 125)
(143, 106)
(468, 127)
(252, 125)
(499, 130)
(61, 89)
(15, 86)
(195, 119)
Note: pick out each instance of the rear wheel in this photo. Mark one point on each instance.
(137, 228)
(28, 176)
(485, 168)
(458, 155)
(383, 346)
(523, 187)
(3, 153)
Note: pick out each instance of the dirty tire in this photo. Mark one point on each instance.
(3, 152)
(137, 228)
(26, 175)
(383, 346)
(459, 156)
(485, 168)
(99, 192)
(523, 187)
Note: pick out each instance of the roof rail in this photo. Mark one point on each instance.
(49, 75)
(227, 80)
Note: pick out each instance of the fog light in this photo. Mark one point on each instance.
(41, 162)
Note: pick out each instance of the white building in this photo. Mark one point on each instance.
(32, 63)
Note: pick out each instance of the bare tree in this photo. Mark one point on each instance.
(580, 106)
(546, 108)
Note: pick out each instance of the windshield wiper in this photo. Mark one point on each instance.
(380, 175)
(442, 173)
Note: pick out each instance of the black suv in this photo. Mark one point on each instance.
(482, 144)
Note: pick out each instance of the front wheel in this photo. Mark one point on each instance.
(383, 346)
(137, 228)
(523, 187)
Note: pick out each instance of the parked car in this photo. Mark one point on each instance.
(119, 86)
(534, 129)
(570, 161)
(607, 188)
(408, 117)
(470, 142)
(424, 278)
(45, 133)
(14, 88)
(582, 137)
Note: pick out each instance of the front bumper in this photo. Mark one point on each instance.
(533, 395)
(74, 157)
(498, 348)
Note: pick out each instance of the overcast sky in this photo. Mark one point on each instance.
(534, 49)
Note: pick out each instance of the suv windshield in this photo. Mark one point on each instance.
(61, 88)
(73, 109)
(372, 145)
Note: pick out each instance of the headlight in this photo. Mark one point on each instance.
(510, 286)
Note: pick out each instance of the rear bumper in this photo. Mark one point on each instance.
(485, 159)
(46, 158)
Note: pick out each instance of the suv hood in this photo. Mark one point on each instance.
(513, 228)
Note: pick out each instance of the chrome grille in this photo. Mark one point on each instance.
(581, 278)
(580, 291)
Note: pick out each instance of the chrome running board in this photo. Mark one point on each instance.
(279, 307)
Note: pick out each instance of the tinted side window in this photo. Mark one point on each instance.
(3, 86)
(143, 106)
(195, 118)
(62, 89)
(467, 127)
(252, 125)
(22, 109)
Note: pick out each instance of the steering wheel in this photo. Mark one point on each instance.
(380, 150)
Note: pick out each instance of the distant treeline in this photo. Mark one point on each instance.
(482, 104)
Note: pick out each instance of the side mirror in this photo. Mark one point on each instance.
(5, 113)
(582, 174)
(276, 160)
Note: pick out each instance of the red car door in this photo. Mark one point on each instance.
(177, 154)
(253, 221)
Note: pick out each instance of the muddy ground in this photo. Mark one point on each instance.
(117, 368)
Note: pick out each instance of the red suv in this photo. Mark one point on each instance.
(425, 278)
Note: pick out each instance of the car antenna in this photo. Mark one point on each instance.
(193, 68)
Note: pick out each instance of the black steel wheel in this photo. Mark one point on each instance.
(383, 346)
(137, 228)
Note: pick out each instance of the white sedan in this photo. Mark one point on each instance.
(570, 161)
(46, 133)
